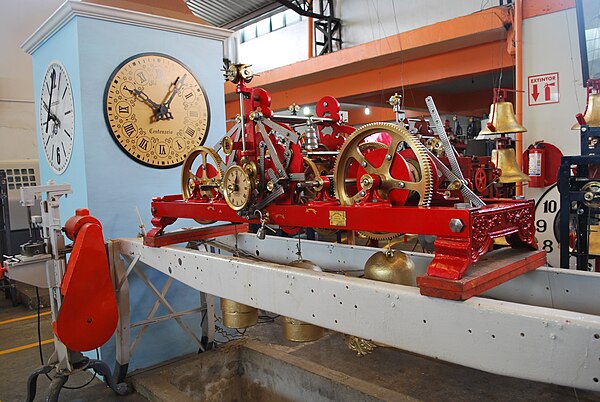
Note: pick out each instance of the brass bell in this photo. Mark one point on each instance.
(392, 266)
(503, 120)
(296, 330)
(505, 160)
(238, 315)
(592, 112)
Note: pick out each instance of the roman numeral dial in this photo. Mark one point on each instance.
(156, 110)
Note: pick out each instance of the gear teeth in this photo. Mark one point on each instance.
(425, 195)
(339, 171)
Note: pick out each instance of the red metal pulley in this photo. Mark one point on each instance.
(88, 314)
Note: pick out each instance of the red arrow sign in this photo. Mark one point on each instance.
(535, 92)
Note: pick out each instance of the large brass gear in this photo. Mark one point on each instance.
(352, 150)
(190, 182)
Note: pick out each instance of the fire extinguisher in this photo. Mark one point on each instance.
(536, 164)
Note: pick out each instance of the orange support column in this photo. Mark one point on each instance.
(518, 23)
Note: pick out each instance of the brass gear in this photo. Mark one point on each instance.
(351, 150)
(189, 178)
(312, 173)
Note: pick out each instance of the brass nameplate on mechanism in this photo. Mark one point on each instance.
(337, 218)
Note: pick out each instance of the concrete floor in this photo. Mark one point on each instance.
(266, 367)
(16, 366)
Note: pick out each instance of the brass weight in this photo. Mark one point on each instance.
(238, 315)
(300, 331)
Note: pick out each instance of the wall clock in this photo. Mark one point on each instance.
(156, 110)
(57, 117)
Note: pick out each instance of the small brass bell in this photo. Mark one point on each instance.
(592, 112)
(392, 266)
(238, 315)
(296, 330)
(506, 161)
(503, 120)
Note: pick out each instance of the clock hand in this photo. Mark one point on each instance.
(178, 85)
(52, 77)
(144, 97)
(50, 114)
(164, 113)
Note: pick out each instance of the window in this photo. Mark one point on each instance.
(270, 24)
(588, 22)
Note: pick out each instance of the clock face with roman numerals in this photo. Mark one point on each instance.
(57, 117)
(156, 110)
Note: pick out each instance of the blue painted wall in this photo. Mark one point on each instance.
(104, 178)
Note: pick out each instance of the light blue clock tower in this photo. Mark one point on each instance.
(91, 40)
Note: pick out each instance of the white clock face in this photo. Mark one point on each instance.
(57, 117)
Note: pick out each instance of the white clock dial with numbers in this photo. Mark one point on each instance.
(57, 117)
(547, 209)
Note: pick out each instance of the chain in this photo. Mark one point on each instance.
(221, 331)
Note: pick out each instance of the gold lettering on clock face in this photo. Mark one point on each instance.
(156, 110)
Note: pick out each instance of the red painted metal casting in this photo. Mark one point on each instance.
(88, 314)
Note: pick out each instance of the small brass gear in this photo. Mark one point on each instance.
(311, 173)
(352, 151)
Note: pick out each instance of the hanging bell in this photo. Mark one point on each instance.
(238, 315)
(300, 331)
(503, 120)
(505, 160)
(592, 112)
(392, 267)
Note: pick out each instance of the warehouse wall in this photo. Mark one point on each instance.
(553, 122)
(362, 21)
(275, 49)
(17, 114)
(551, 44)
(365, 21)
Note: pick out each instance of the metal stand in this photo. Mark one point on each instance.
(579, 198)
(46, 269)
(60, 379)
(125, 345)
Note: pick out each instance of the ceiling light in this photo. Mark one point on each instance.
(367, 110)
(306, 110)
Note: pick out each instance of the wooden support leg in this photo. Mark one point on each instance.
(452, 258)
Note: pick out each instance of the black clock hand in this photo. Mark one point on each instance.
(144, 98)
(178, 85)
(163, 112)
(51, 115)
(52, 77)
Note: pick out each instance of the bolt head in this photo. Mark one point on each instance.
(364, 163)
(388, 157)
(362, 193)
(456, 225)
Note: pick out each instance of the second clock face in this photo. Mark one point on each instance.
(156, 110)
(57, 117)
